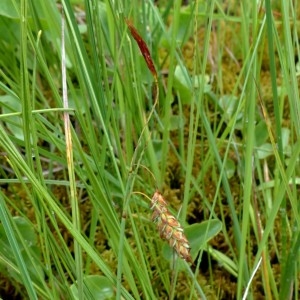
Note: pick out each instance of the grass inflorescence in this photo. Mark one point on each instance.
(169, 227)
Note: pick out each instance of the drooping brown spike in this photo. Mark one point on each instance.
(169, 227)
(143, 48)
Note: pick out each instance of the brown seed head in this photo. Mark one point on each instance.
(169, 227)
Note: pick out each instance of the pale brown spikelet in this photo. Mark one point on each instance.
(169, 228)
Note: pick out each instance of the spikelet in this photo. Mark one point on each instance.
(169, 228)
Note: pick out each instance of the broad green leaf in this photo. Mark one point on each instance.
(200, 233)
(99, 287)
(28, 239)
(8, 9)
(261, 133)
(230, 168)
(182, 84)
(222, 258)
(26, 230)
(10, 104)
(285, 137)
(229, 103)
(176, 122)
(185, 85)
(265, 150)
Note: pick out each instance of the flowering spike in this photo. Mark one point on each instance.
(143, 47)
(169, 228)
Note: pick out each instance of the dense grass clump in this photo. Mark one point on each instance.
(105, 103)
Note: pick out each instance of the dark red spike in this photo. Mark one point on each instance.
(143, 48)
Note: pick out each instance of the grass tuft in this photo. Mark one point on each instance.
(198, 100)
